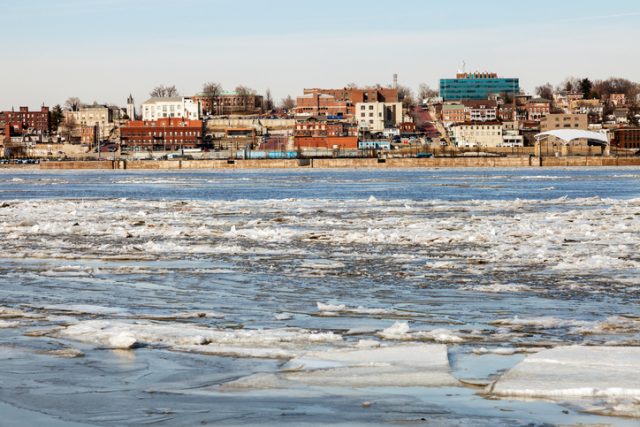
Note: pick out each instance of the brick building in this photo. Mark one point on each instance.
(628, 138)
(341, 102)
(34, 121)
(317, 127)
(166, 134)
(537, 108)
(229, 103)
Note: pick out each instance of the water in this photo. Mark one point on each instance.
(238, 290)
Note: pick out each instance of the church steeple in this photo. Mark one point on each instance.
(131, 108)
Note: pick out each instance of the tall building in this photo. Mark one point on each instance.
(131, 108)
(477, 86)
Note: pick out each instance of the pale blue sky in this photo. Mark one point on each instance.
(104, 49)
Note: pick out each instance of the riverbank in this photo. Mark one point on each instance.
(343, 163)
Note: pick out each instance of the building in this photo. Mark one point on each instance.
(378, 116)
(564, 121)
(320, 104)
(341, 102)
(320, 133)
(32, 121)
(171, 107)
(320, 126)
(592, 107)
(485, 134)
(627, 138)
(537, 108)
(453, 113)
(618, 99)
(478, 86)
(165, 134)
(103, 116)
(231, 103)
(131, 108)
(480, 111)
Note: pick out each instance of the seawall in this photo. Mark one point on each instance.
(343, 163)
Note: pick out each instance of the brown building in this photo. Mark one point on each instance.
(166, 134)
(230, 103)
(627, 138)
(564, 121)
(319, 126)
(341, 102)
(34, 121)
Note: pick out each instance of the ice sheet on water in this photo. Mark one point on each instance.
(188, 337)
(575, 373)
(405, 365)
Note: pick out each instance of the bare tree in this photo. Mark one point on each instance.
(69, 125)
(212, 92)
(425, 92)
(268, 101)
(570, 85)
(351, 86)
(288, 103)
(545, 91)
(73, 103)
(405, 95)
(244, 93)
(162, 91)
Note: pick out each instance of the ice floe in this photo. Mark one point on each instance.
(406, 365)
(268, 343)
(574, 372)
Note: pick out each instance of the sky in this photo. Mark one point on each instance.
(103, 50)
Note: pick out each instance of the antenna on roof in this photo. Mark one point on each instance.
(464, 66)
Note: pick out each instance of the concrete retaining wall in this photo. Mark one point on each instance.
(353, 163)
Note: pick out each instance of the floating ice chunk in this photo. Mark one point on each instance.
(6, 325)
(122, 341)
(444, 336)
(574, 372)
(497, 288)
(398, 331)
(276, 343)
(341, 308)
(372, 199)
(283, 316)
(539, 322)
(394, 366)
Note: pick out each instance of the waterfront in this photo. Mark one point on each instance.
(220, 279)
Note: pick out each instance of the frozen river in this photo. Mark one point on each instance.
(312, 297)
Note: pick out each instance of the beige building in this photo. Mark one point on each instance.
(377, 116)
(104, 116)
(478, 134)
(564, 121)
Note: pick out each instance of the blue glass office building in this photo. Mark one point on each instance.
(477, 86)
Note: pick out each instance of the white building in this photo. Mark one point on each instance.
(377, 116)
(179, 106)
(478, 134)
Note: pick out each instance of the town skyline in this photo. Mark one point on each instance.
(104, 50)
